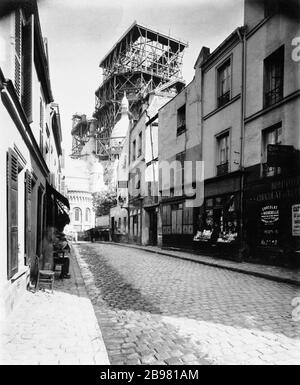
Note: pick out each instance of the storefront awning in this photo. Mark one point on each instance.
(58, 196)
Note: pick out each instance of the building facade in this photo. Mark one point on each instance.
(30, 152)
(272, 131)
(179, 141)
(241, 119)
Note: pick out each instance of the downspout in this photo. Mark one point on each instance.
(242, 36)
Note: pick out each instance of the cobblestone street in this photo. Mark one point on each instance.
(155, 309)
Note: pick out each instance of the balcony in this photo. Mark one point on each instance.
(223, 99)
(222, 169)
(181, 129)
(273, 96)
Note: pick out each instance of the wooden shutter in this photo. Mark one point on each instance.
(12, 213)
(27, 241)
(18, 53)
(27, 69)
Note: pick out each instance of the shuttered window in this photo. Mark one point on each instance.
(27, 240)
(27, 69)
(18, 52)
(12, 213)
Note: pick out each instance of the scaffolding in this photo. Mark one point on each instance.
(80, 134)
(140, 62)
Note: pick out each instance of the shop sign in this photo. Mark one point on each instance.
(269, 218)
(279, 155)
(296, 220)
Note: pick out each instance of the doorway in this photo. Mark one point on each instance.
(153, 227)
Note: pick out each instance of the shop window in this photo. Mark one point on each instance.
(273, 77)
(166, 219)
(219, 222)
(223, 154)
(181, 120)
(224, 83)
(188, 220)
(272, 135)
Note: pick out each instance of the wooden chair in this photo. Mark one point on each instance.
(58, 260)
(45, 276)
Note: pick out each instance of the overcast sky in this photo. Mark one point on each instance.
(81, 32)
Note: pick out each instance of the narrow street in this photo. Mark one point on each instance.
(155, 309)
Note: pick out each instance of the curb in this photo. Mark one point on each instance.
(100, 351)
(219, 265)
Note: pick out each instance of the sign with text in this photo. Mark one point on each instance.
(296, 220)
(269, 217)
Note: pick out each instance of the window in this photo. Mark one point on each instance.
(180, 158)
(87, 215)
(12, 213)
(140, 144)
(272, 135)
(224, 83)
(133, 150)
(181, 115)
(273, 77)
(77, 214)
(23, 62)
(223, 154)
(125, 223)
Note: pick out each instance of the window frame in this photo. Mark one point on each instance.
(219, 68)
(223, 168)
(279, 53)
(181, 123)
(267, 171)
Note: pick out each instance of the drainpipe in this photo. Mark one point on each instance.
(242, 36)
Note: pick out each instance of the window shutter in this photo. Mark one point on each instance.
(28, 190)
(12, 213)
(18, 52)
(27, 69)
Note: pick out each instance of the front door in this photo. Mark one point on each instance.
(153, 228)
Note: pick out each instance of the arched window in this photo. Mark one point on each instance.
(87, 215)
(77, 214)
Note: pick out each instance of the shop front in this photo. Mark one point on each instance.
(272, 220)
(178, 223)
(219, 225)
(218, 222)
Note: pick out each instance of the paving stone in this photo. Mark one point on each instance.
(202, 314)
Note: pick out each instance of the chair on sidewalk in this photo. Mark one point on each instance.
(58, 258)
(45, 276)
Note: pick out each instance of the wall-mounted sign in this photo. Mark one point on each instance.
(279, 155)
(269, 218)
(296, 220)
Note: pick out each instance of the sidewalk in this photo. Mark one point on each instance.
(58, 328)
(274, 273)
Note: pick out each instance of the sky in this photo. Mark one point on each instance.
(81, 32)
